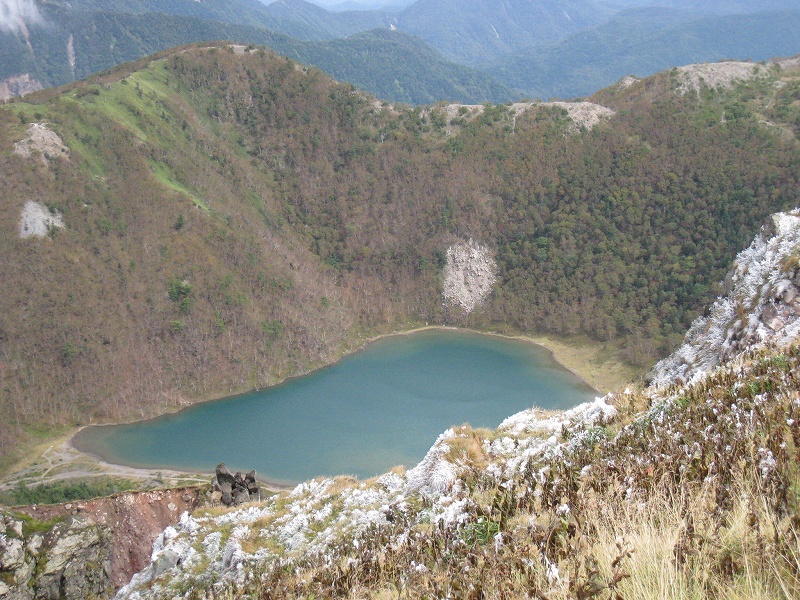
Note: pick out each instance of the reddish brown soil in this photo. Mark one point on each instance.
(135, 520)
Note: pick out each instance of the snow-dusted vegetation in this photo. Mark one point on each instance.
(761, 304)
(679, 486)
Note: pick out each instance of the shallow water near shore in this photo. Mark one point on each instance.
(380, 407)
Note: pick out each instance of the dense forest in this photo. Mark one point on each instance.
(233, 217)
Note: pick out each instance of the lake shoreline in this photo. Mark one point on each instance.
(100, 466)
(107, 446)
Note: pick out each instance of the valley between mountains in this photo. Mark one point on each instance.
(216, 218)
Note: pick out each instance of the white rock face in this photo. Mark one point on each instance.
(587, 414)
(18, 85)
(761, 304)
(37, 220)
(469, 275)
(627, 81)
(43, 140)
(434, 475)
(717, 75)
(584, 114)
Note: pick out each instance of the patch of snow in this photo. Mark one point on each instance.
(37, 221)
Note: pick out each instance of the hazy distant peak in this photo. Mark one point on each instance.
(339, 5)
(14, 14)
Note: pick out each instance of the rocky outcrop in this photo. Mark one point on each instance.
(37, 220)
(469, 275)
(42, 140)
(69, 558)
(717, 75)
(18, 85)
(114, 536)
(584, 115)
(760, 304)
(233, 490)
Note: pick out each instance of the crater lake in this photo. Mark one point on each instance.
(382, 406)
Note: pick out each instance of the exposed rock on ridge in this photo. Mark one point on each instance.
(584, 114)
(761, 305)
(18, 85)
(717, 75)
(43, 140)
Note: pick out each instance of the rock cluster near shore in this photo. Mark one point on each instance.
(233, 490)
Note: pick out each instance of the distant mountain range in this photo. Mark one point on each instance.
(472, 31)
(642, 42)
(390, 64)
(468, 50)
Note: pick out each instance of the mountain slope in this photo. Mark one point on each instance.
(722, 7)
(330, 24)
(473, 31)
(234, 12)
(214, 219)
(644, 42)
(400, 68)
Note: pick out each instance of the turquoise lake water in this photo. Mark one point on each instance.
(377, 408)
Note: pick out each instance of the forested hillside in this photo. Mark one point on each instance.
(472, 31)
(231, 217)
